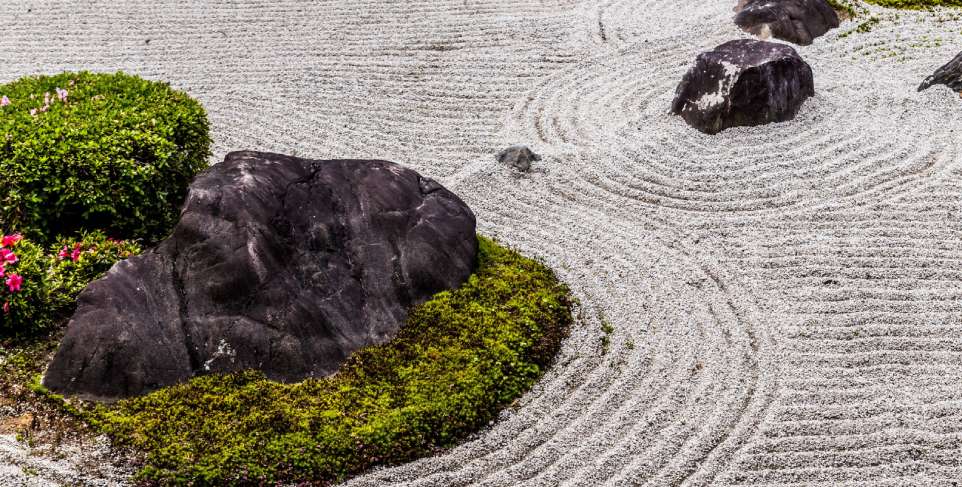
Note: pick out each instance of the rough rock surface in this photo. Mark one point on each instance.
(949, 75)
(281, 264)
(796, 21)
(518, 156)
(743, 82)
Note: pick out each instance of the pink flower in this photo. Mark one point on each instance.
(14, 282)
(4, 101)
(7, 255)
(63, 253)
(76, 252)
(10, 240)
(62, 94)
(6, 307)
(3, 270)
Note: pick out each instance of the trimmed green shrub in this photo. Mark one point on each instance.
(40, 288)
(85, 151)
(461, 357)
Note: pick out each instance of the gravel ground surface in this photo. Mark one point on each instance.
(786, 300)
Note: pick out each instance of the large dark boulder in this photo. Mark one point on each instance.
(743, 82)
(796, 21)
(949, 75)
(280, 264)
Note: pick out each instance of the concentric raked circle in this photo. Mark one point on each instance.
(685, 379)
(851, 140)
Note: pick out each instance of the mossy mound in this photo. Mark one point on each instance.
(461, 357)
(85, 151)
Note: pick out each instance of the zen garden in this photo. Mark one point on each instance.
(493, 243)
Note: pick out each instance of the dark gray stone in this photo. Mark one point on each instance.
(949, 75)
(280, 264)
(518, 156)
(743, 82)
(796, 21)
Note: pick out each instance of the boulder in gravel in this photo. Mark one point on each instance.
(280, 264)
(743, 82)
(949, 75)
(519, 157)
(796, 21)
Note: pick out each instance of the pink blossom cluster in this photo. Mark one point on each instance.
(73, 252)
(67, 253)
(48, 100)
(9, 257)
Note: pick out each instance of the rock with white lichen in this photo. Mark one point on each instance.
(279, 264)
(949, 75)
(795, 21)
(743, 82)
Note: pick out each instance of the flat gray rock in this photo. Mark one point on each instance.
(280, 264)
(519, 157)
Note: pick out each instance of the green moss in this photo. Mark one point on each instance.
(916, 4)
(849, 9)
(606, 330)
(845, 8)
(84, 151)
(461, 357)
(868, 25)
(21, 364)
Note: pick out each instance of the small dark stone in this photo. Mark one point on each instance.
(519, 156)
(743, 82)
(279, 264)
(796, 21)
(949, 75)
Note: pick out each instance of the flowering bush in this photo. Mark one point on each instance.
(83, 151)
(78, 262)
(40, 287)
(22, 273)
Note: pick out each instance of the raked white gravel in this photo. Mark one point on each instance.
(786, 299)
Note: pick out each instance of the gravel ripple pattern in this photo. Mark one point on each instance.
(786, 300)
